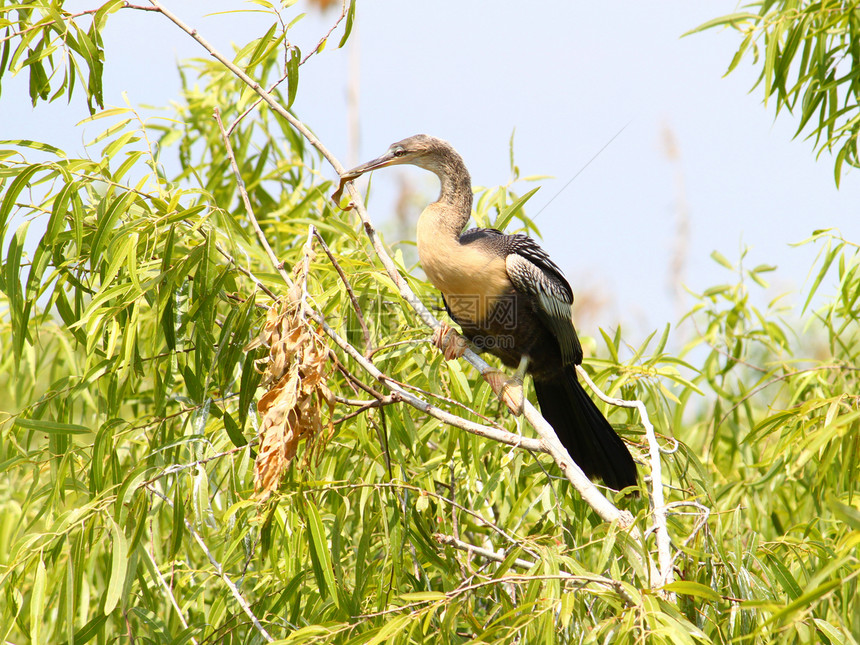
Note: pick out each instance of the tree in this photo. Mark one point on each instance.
(223, 421)
(809, 54)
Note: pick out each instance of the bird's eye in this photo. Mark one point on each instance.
(399, 152)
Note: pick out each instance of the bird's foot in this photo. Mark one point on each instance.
(452, 344)
(509, 390)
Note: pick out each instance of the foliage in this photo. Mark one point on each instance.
(809, 54)
(134, 303)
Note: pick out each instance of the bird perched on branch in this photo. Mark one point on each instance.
(511, 300)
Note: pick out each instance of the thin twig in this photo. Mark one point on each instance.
(455, 522)
(777, 379)
(500, 556)
(166, 587)
(343, 11)
(237, 595)
(415, 489)
(398, 343)
(246, 271)
(353, 380)
(368, 347)
(308, 253)
(388, 400)
(488, 432)
(286, 73)
(180, 467)
(452, 402)
(249, 211)
(459, 591)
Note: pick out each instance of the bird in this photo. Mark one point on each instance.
(511, 300)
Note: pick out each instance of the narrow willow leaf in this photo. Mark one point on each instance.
(34, 145)
(14, 190)
(265, 46)
(248, 387)
(51, 427)
(128, 488)
(293, 74)
(90, 630)
(178, 520)
(106, 225)
(350, 18)
(116, 127)
(319, 544)
(721, 259)
(119, 561)
(119, 143)
(730, 19)
(805, 601)
(846, 513)
(508, 213)
(610, 345)
(37, 602)
(233, 431)
(783, 575)
(690, 588)
(825, 266)
(390, 630)
(830, 632)
(107, 8)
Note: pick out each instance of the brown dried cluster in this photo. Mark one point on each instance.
(295, 373)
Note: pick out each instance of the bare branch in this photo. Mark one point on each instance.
(658, 502)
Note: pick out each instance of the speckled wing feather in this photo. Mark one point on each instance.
(531, 271)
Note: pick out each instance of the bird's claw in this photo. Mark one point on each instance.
(452, 344)
(509, 390)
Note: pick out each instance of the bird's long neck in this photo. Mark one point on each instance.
(451, 212)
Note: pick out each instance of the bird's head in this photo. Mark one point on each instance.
(419, 150)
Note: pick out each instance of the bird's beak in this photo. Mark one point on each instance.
(380, 162)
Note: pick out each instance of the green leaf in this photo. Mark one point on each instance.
(690, 588)
(506, 215)
(832, 253)
(845, 513)
(119, 561)
(13, 191)
(350, 18)
(115, 210)
(233, 431)
(37, 602)
(34, 145)
(320, 548)
(89, 631)
(293, 75)
(51, 427)
(178, 520)
(721, 259)
(731, 19)
(805, 601)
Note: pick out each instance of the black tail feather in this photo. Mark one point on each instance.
(584, 431)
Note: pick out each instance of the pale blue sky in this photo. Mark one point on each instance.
(568, 76)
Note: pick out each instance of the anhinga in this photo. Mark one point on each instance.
(510, 299)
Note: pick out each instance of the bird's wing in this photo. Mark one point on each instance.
(531, 271)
